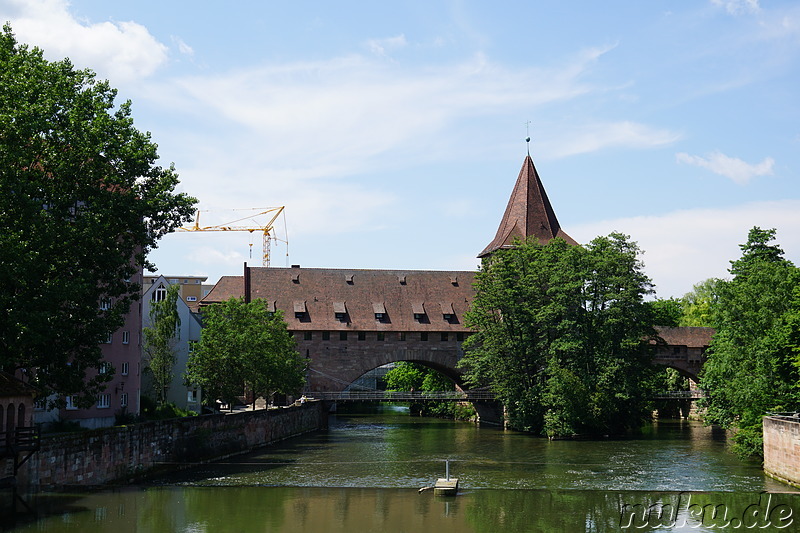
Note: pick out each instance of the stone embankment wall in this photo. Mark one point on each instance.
(121, 454)
(782, 448)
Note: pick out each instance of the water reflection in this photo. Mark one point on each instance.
(295, 509)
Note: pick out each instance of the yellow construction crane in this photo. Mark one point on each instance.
(266, 229)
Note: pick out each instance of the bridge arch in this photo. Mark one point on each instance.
(334, 372)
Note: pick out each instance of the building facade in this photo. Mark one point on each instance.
(188, 332)
(121, 354)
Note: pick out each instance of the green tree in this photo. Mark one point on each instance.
(699, 304)
(410, 376)
(562, 335)
(751, 362)
(82, 202)
(244, 346)
(667, 312)
(159, 342)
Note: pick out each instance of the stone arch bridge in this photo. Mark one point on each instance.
(334, 368)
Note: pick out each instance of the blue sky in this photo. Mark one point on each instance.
(393, 135)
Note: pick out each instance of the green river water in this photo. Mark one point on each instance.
(363, 475)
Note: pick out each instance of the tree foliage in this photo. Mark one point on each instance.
(699, 304)
(242, 347)
(82, 202)
(751, 367)
(410, 376)
(562, 335)
(159, 340)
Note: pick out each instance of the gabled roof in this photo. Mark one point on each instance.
(528, 214)
(320, 293)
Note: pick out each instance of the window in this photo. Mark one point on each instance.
(40, 404)
(124, 369)
(459, 337)
(380, 311)
(126, 337)
(401, 336)
(307, 336)
(103, 401)
(423, 336)
(70, 405)
(191, 298)
(445, 337)
(105, 367)
(109, 338)
(342, 335)
(381, 336)
(326, 335)
(362, 336)
(191, 396)
(192, 346)
(300, 309)
(159, 294)
(105, 304)
(123, 399)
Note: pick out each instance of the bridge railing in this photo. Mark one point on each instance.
(403, 396)
(680, 395)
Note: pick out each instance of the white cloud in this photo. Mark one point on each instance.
(183, 48)
(381, 46)
(120, 51)
(737, 7)
(685, 247)
(599, 136)
(730, 167)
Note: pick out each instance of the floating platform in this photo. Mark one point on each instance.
(446, 487)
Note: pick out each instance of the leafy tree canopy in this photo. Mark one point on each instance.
(82, 202)
(751, 368)
(159, 342)
(562, 335)
(244, 346)
(699, 304)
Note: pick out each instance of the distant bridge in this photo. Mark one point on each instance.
(404, 396)
(456, 396)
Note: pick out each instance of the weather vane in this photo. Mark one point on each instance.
(528, 135)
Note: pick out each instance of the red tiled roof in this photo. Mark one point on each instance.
(363, 293)
(692, 337)
(528, 213)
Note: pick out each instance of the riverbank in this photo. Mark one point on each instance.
(124, 454)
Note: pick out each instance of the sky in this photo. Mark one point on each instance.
(393, 133)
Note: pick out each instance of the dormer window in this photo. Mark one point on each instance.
(340, 311)
(380, 311)
(418, 308)
(348, 278)
(272, 306)
(447, 311)
(300, 310)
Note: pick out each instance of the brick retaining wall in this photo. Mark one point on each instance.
(782, 448)
(119, 454)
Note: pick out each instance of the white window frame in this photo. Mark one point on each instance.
(124, 369)
(126, 337)
(123, 399)
(70, 406)
(103, 401)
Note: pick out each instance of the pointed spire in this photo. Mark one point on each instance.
(528, 214)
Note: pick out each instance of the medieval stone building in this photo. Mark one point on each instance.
(350, 321)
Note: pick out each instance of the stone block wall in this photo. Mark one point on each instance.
(120, 454)
(782, 448)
